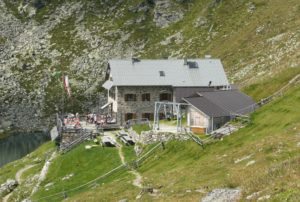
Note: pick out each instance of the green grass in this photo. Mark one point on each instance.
(85, 164)
(141, 127)
(129, 153)
(63, 39)
(270, 139)
(31, 78)
(13, 7)
(9, 170)
(269, 85)
(118, 187)
(2, 40)
(235, 41)
(173, 122)
(270, 136)
(4, 135)
(29, 177)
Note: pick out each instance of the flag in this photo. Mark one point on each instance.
(67, 85)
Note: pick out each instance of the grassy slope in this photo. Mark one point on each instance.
(270, 140)
(36, 158)
(10, 169)
(140, 128)
(85, 164)
(270, 84)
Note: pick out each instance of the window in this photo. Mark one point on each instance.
(148, 116)
(130, 116)
(146, 97)
(130, 97)
(165, 97)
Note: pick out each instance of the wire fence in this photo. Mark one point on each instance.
(268, 99)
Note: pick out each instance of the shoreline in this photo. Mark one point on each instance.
(7, 133)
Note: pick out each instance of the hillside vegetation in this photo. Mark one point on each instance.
(44, 40)
(261, 159)
(258, 42)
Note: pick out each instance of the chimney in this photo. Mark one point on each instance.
(134, 60)
(185, 61)
(209, 83)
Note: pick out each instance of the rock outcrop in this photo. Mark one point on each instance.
(166, 13)
(8, 187)
(222, 195)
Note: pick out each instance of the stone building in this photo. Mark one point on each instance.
(133, 86)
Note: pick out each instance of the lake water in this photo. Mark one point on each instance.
(18, 145)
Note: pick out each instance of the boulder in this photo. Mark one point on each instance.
(166, 13)
(201, 22)
(222, 195)
(8, 187)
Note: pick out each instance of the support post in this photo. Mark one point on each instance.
(158, 108)
(177, 118)
(154, 125)
(212, 123)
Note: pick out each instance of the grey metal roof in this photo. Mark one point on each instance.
(147, 73)
(207, 107)
(231, 100)
(221, 102)
(182, 92)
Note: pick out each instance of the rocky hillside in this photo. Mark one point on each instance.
(40, 40)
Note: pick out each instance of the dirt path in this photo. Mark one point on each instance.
(121, 154)
(20, 173)
(138, 181)
(19, 179)
(5, 199)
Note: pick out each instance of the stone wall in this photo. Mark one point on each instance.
(150, 137)
(138, 107)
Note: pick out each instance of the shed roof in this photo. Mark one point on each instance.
(182, 92)
(207, 107)
(233, 101)
(170, 72)
(221, 103)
